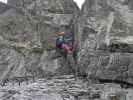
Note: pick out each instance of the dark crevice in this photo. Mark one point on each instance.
(123, 84)
(121, 47)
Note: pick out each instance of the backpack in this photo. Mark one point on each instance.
(59, 42)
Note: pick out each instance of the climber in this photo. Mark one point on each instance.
(67, 47)
(64, 42)
(64, 45)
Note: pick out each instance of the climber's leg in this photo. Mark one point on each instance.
(70, 58)
(72, 64)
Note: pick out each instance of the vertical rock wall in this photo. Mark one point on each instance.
(27, 39)
(105, 29)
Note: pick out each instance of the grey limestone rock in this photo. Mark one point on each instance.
(28, 33)
(105, 31)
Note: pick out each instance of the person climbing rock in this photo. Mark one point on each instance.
(64, 42)
(66, 47)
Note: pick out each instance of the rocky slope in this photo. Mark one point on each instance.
(27, 37)
(105, 31)
(63, 88)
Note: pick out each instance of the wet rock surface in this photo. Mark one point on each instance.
(63, 88)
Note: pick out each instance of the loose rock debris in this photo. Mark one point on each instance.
(64, 88)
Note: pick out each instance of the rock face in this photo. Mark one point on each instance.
(3, 7)
(6, 8)
(28, 36)
(105, 31)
